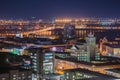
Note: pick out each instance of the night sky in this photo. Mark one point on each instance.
(47, 9)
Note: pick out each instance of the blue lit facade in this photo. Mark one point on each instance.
(42, 61)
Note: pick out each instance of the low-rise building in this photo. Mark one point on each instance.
(83, 74)
(15, 73)
(111, 50)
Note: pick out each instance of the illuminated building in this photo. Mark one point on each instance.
(69, 31)
(111, 50)
(63, 54)
(83, 26)
(84, 74)
(91, 46)
(100, 66)
(85, 50)
(42, 61)
(63, 20)
(110, 47)
(15, 73)
(25, 74)
(12, 47)
(11, 66)
(54, 77)
(58, 48)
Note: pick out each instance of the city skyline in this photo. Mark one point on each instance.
(59, 8)
(59, 40)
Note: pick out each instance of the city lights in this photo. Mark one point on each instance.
(60, 40)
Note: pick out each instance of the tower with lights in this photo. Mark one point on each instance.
(69, 31)
(91, 46)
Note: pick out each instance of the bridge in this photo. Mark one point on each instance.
(39, 31)
(50, 30)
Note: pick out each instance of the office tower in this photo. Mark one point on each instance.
(69, 32)
(91, 46)
(42, 61)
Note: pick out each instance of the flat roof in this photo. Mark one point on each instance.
(7, 69)
(92, 73)
(108, 61)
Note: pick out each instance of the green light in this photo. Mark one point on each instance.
(15, 51)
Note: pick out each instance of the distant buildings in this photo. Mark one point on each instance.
(70, 62)
(85, 51)
(85, 55)
(42, 56)
(110, 47)
(83, 26)
(12, 46)
(111, 50)
(69, 32)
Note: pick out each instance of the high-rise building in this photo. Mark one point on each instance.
(69, 31)
(91, 46)
(42, 61)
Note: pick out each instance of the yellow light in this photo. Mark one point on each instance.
(83, 20)
(63, 20)
(60, 72)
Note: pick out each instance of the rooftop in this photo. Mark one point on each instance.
(103, 62)
(8, 69)
(92, 73)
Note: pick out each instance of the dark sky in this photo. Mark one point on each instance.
(47, 9)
